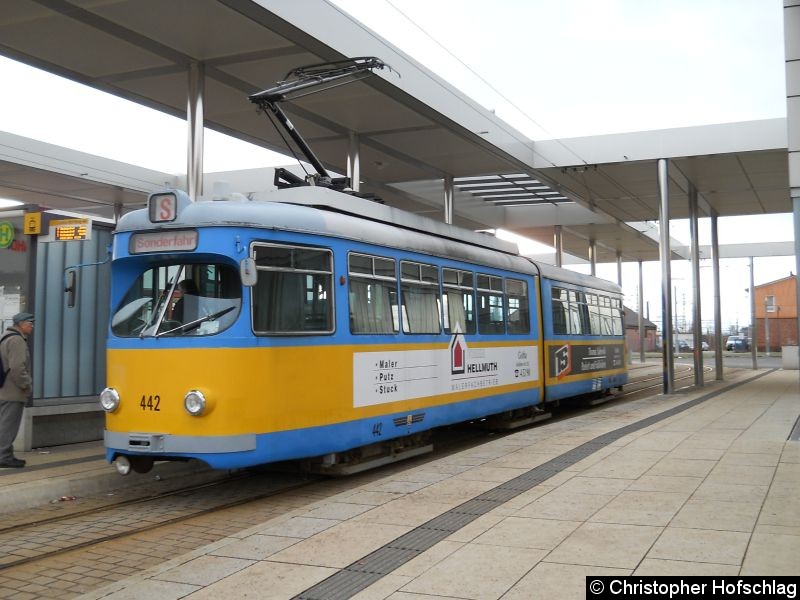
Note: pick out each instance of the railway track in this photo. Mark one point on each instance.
(43, 542)
(64, 533)
(648, 383)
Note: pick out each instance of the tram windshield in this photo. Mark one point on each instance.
(180, 300)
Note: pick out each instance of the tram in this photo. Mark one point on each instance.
(312, 323)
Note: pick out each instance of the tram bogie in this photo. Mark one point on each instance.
(367, 457)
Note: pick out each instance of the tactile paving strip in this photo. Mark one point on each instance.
(369, 569)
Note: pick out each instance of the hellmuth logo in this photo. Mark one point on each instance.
(458, 354)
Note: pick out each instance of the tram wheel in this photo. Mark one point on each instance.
(141, 464)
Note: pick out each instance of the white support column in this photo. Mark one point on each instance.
(448, 199)
(796, 211)
(619, 268)
(697, 325)
(119, 195)
(665, 252)
(791, 34)
(558, 242)
(753, 340)
(717, 299)
(195, 122)
(593, 257)
(641, 314)
(354, 162)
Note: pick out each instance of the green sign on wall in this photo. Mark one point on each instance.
(6, 234)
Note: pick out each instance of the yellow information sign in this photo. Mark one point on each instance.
(69, 230)
(33, 223)
(71, 233)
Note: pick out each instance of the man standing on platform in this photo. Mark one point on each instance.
(18, 384)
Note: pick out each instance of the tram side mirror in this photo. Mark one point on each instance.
(71, 287)
(247, 271)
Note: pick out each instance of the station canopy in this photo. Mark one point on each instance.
(414, 129)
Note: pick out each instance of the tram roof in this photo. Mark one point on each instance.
(330, 213)
(324, 212)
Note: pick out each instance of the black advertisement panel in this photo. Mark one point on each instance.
(577, 359)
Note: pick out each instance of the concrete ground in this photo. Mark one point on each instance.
(709, 490)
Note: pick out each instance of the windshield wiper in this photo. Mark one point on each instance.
(161, 309)
(196, 323)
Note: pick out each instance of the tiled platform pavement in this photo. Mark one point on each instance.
(712, 490)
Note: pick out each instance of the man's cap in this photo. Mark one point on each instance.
(21, 317)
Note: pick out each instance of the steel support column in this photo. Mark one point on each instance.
(641, 314)
(354, 162)
(717, 299)
(558, 242)
(753, 340)
(619, 268)
(119, 196)
(593, 257)
(791, 35)
(697, 324)
(448, 199)
(665, 253)
(194, 120)
(796, 211)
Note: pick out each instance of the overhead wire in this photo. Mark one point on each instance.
(487, 83)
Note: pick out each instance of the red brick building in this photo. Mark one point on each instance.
(632, 332)
(776, 309)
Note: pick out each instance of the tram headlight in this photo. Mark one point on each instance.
(109, 399)
(122, 464)
(194, 402)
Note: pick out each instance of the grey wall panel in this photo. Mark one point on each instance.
(69, 343)
(71, 327)
(49, 297)
(103, 305)
(87, 309)
(39, 329)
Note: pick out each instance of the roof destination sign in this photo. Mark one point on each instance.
(163, 241)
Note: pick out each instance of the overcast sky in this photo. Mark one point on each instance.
(551, 68)
(587, 67)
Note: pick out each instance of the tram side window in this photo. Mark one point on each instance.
(518, 311)
(373, 294)
(579, 305)
(294, 291)
(419, 286)
(490, 304)
(560, 310)
(575, 327)
(616, 316)
(594, 314)
(606, 316)
(459, 301)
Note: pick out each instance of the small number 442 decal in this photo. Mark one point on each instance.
(150, 403)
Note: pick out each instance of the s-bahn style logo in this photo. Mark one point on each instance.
(458, 354)
(563, 364)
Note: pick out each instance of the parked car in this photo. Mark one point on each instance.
(704, 346)
(736, 343)
(683, 346)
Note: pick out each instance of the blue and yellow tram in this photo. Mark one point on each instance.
(317, 324)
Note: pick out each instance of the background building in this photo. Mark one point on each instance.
(632, 332)
(776, 314)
